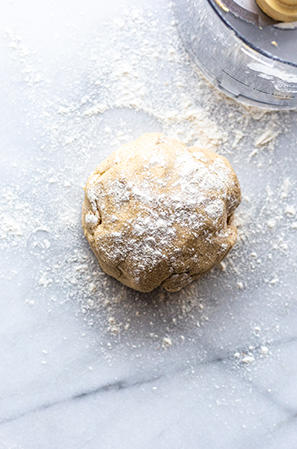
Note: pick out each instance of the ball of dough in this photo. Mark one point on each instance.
(158, 213)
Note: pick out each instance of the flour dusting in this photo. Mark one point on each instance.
(130, 77)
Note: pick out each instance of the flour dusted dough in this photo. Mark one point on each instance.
(158, 213)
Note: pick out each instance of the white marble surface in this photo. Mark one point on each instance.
(214, 366)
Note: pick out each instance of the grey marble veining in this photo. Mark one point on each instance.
(214, 366)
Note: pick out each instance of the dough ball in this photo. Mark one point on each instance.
(158, 213)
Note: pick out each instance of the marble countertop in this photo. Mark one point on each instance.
(86, 362)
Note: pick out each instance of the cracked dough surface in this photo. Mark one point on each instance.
(158, 213)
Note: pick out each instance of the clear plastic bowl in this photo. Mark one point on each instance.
(255, 65)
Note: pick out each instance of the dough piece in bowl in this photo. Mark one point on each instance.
(158, 213)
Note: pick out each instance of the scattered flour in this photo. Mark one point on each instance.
(131, 81)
